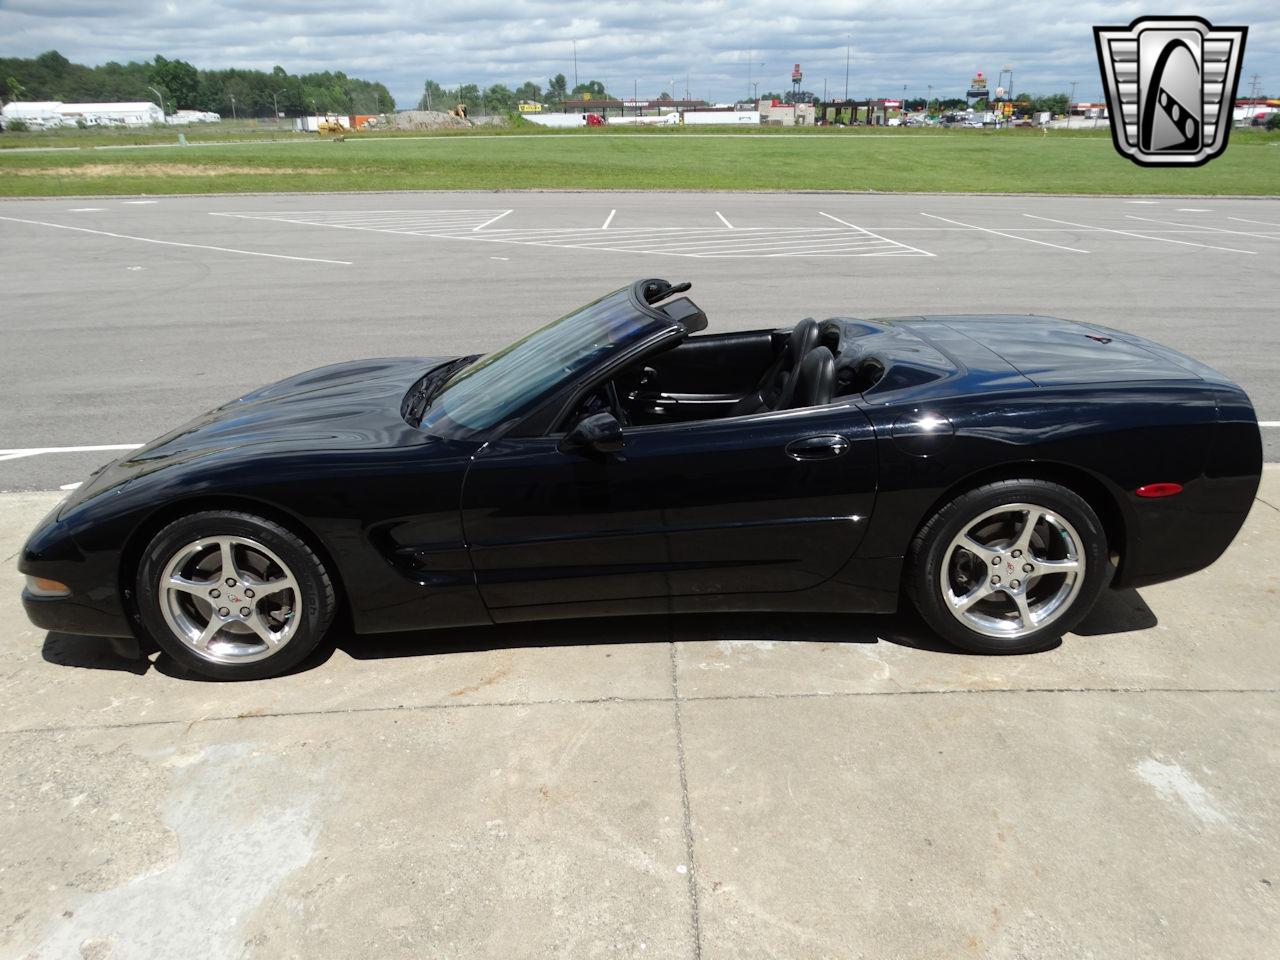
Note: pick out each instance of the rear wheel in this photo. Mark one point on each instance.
(233, 596)
(1009, 567)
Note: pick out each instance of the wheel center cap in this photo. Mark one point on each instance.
(1008, 567)
(235, 599)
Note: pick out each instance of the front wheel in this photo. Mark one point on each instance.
(1008, 567)
(233, 596)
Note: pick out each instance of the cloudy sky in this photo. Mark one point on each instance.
(712, 45)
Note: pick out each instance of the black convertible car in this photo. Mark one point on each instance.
(1001, 470)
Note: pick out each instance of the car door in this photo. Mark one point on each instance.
(773, 502)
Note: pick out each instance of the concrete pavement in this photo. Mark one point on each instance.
(660, 787)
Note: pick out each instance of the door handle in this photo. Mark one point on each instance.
(823, 447)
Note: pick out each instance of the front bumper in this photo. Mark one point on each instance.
(94, 606)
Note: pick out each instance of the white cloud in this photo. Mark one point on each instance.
(644, 46)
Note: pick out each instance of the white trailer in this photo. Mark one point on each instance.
(735, 118)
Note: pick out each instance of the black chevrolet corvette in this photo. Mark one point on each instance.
(1001, 470)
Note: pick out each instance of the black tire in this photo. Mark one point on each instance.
(932, 544)
(312, 603)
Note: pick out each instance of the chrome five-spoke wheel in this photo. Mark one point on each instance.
(1012, 570)
(230, 599)
(1009, 566)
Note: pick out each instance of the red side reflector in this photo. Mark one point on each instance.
(1158, 489)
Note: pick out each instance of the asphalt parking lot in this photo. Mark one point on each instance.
(139, 313)
(660, 787)
(789, 786)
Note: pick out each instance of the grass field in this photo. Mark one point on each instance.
(945, 161)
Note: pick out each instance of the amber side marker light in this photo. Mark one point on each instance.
(44, 587)
(1152, 490)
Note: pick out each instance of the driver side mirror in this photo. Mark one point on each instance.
(600, 432)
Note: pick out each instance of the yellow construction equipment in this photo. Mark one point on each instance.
(331, 125)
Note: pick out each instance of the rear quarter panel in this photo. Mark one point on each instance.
(1106, 439)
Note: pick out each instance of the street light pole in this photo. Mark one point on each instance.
(575, 64)
(161, 96)
(848, 44)
(233, 107)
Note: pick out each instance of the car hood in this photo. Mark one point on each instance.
(346, 406)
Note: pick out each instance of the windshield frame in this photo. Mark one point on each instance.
(653, 326)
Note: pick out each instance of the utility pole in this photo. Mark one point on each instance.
(233, 107)
(1071, 100)
(1255, 86)
(275, 99)
(575, 64)
(928, 104)
(847, 46)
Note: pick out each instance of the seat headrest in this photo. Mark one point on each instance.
(804, 337)
(815, 380)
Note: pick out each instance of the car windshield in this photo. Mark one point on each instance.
(510, 382)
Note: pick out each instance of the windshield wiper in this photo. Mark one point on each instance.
(430, 387)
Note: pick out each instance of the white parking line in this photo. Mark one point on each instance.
(493, 220)
(139, 203)
(723, 220)
(608, 220)
(86, 209)
(724, 241)
(864, 230)
(175, 243)
(408, 222)
(1261, 222)
(17, 453)
(1206, 227)
(1140, 236)
(1011, 236)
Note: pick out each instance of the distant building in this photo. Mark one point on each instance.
(773, 113)
(193, 116)
(53, 113)
(1246, 110)
(34, 113)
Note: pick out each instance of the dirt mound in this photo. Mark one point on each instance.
(424, 120)
(437, 120)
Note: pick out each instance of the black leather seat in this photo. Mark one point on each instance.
(815, 381)
(777, 386)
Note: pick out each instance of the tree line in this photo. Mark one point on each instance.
(499, 98)
(245, 93)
